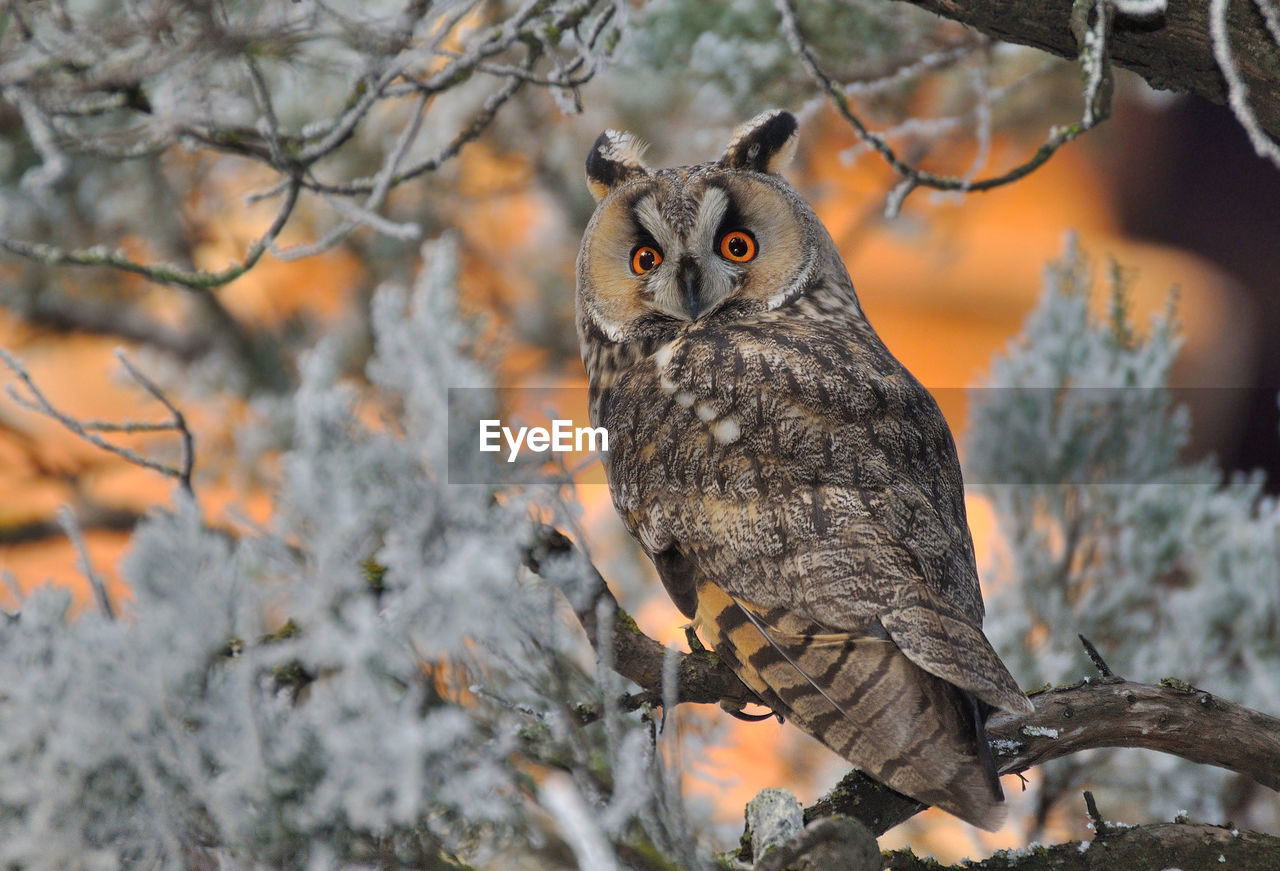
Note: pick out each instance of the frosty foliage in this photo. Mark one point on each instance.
(733, 50)
(707, 66)
(127, 108)
(407, 714)
(1168, 568)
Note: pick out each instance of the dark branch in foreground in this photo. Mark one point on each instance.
(1172, 717)
(1158, 846)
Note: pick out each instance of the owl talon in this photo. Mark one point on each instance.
(733, 708)
(753, 718)
(695, 643)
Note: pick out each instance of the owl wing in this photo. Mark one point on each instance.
(855, 693)
(855, 574)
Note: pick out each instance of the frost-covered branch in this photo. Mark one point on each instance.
(1171, 717)
(1179, 844)
(419, 709)
(163, 273)
(701, 677)
(329, 99)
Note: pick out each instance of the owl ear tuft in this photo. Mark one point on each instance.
(766, 143)
(616, 158)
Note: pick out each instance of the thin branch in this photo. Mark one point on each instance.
(269, 126)
(366, 214)
(67, 521)
(701, 676)
(179, 423)
(197, 279)
(54, 164)
(1096, 658)
(72, 89)
(51, 310)
(1237, 89)
(1100, 826)
(88, 430)
(1171, 51)
(89, 517)
(478, 125)
(913, 176)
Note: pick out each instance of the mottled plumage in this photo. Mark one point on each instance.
(796, 487)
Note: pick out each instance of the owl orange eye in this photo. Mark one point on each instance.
(645, 258)
(738, 246)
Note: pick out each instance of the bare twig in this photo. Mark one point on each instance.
(36, 401)
(66, 100)
(89, 517)
(191, 279)
(1096, 658)
(67, 521)
(912, 176)
(1100, 826)
(179, 423)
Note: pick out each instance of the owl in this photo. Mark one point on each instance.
(795, 486)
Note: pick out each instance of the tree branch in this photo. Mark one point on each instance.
(1172, 717)
(1172, 51)
(1161, 845)
(702, 677)
(1097, 107)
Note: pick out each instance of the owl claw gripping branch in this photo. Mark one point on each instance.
(796, 488)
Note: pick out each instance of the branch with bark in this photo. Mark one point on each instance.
(1170, 717)
(1177, 49)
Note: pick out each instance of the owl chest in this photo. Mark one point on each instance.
(711, 436)
(699, 435)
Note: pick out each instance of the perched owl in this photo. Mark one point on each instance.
(796, 487)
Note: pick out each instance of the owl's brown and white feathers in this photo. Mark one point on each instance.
(797, 489)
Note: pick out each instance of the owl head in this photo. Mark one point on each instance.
(714, 242)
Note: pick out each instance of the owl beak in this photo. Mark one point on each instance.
(690, 278)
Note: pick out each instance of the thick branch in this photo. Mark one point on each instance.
(701, 676)
(1172, 718)
(1172, 51)
(1163, 845)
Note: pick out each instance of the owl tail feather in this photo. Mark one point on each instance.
(863, 698)
(980, 710)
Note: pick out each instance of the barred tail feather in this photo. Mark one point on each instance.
(863, 698)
